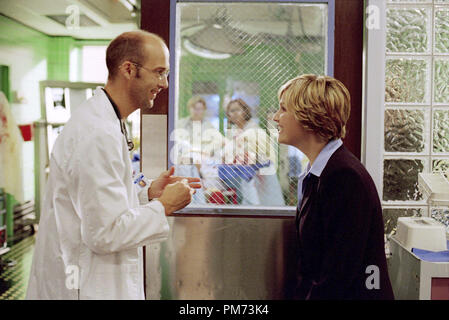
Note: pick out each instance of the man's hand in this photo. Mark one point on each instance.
(157, 186)
(176, 196)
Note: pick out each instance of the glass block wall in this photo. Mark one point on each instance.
(416, 114)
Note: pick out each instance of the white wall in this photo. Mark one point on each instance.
(26, 69)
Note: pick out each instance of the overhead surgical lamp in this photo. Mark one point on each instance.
(204, 53)
(214, 40)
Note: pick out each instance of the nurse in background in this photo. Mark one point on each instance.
(340, 231)
(196, 154)
(264, 189)
(197, 107)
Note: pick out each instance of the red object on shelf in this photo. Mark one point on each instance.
(217, 197)
(2, 237)
(27, 131)
(223, 197)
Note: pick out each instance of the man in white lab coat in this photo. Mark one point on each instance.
(94, 220)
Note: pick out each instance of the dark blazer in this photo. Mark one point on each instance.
(340, 232)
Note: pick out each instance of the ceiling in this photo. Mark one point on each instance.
(217, 29)
(254, 18)
(81, 19)
(105, 19)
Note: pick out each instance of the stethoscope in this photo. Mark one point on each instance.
(122, 123)
(125, 132)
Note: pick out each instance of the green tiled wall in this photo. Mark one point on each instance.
(56, 50)
(17, 35)
(33, 56)
(58, 63)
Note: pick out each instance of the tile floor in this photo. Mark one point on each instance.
(15, 268)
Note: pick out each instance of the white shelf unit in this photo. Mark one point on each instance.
(58, 100)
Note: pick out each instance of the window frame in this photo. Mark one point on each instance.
(374, 79)
(348, 46)
(237, 210)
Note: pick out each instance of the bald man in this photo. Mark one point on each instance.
(96, 216)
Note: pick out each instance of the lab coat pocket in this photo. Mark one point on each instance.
(117, 282)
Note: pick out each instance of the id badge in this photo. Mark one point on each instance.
(140, 181)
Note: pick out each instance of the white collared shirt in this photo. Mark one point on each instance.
(319, 164)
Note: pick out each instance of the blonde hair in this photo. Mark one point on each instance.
(194, 100)
(320, 103)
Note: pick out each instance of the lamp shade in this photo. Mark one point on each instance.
(215, 38)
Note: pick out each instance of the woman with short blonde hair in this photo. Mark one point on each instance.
(320, 103)
(339, 217)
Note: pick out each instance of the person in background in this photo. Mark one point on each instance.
(246, 135)
(197, 154)
(95, 216)
(340, 232)
(11, 142)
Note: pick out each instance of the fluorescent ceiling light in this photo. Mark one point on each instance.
(127, 4)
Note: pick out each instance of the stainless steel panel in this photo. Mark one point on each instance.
(154, 154)
(404, 270)
(223, 258)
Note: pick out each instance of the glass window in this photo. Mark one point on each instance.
(231, 59)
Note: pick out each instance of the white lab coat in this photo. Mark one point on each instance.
(92, 227)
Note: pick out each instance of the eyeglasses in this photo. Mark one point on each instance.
(160, 74)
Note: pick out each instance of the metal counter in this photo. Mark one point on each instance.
(216, 257)
(223, 258)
